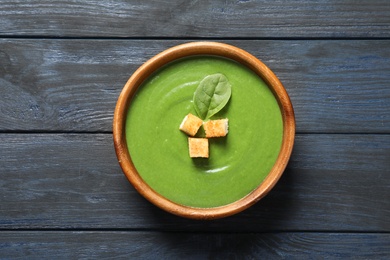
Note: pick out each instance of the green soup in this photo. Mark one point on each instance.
(238, 163)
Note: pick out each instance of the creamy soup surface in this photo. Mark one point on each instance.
(238, 163)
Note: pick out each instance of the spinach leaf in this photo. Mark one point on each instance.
(212, 95)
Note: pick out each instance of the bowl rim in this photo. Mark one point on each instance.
(198, 49)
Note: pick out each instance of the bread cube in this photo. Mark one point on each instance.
(216, 128)
(190, 124)
(198, 147)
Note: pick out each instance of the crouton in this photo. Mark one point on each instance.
(216, 128)
(190, 124)
(198, 147)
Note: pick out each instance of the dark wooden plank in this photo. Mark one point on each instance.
(73, 85)
(183, 18)
(59, 181)
(152, 245)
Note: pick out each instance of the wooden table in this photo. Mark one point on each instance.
(63, 65)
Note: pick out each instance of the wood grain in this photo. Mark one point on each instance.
(63, 65)
(149, 245)
(152, 18)
(73, 181)
(73, 85)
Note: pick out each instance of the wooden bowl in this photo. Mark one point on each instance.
(182, 51)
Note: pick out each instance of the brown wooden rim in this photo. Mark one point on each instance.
(192, 49)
